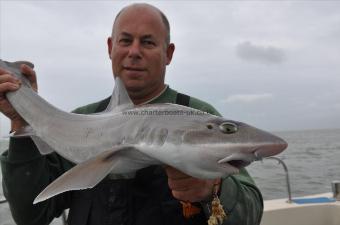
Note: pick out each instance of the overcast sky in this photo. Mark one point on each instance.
(273, 64)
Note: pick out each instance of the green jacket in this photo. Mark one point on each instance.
(26, 173)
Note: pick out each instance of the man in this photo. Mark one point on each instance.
(140, 50)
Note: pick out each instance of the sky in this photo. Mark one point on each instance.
(272, 64)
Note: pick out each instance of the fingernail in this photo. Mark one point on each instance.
(15, 86)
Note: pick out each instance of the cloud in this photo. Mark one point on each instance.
(264, 54)
(247, 98)
(67, 43)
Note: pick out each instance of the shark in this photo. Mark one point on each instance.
(126, 137)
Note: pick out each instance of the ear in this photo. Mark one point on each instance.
(169, 53)
(109, 46)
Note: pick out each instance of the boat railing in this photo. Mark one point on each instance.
(280, 161)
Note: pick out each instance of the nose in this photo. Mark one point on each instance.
(135, 50)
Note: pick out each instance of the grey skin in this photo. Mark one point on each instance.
(125, 138)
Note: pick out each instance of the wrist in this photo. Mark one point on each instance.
(17, 125)
(215, 190)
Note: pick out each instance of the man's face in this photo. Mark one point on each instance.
(139, 52)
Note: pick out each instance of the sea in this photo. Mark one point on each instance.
(312, 158)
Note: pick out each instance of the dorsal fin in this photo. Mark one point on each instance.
(120, 98)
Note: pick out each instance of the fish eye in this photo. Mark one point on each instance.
(228, 127)
(210, 126)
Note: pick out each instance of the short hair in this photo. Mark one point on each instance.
(164, 20)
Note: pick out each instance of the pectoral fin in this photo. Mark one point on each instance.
(84, 175)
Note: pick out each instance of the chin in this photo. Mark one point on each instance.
(134, 85)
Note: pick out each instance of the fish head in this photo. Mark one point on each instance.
(233, 144)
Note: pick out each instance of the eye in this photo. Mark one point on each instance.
(124, 41)
(210, 126)
(148, 43)
(228, 127)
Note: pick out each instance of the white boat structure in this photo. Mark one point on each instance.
(320, 209)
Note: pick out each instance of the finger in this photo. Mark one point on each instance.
(192, 195)
(195, 189)
(30, 75)
(8, 86)
(28, 72)
(175, 173)
(9, 78)
(3, 71)
(8, 83)
(185, 184)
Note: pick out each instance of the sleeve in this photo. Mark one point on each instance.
(241, 199)
(25, 174)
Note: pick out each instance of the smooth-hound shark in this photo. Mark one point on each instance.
(125, 138)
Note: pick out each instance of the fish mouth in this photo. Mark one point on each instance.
(238, 160)
(231, 168)
(238, 163)
(234, 166)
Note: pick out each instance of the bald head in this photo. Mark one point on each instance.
(143, 8)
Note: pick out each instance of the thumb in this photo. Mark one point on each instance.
(30, 75)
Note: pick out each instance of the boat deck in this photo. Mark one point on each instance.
(318, 209)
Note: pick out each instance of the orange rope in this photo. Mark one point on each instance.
(189, 210)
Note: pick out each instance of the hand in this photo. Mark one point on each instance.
(187, 188)
(9, 83)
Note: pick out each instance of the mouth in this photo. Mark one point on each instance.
(238, 163)
(134, 69)
(238, 160)
(234, 166)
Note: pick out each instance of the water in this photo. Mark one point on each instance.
(313, 160)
